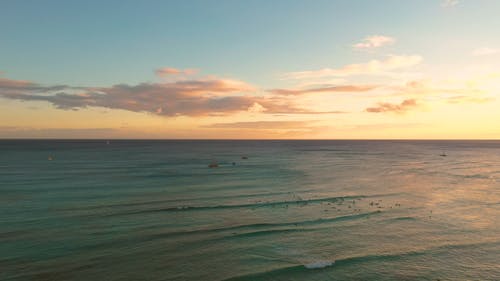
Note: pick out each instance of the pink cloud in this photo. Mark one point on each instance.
(169, 71)
(14, 84)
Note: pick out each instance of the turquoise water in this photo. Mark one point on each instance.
(294, 210)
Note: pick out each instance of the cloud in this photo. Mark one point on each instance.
(449, 3)
(307, 112)
(327, 89)
(188, 97)
(384, 126)
(193, 97)
(390, 107)
(373, 67)
(14, 84)
(485, 51)
(169, 71)
(453, 91)
(374, 41)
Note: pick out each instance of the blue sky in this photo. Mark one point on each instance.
(107, 42)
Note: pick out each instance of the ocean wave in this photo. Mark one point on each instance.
(477, 176)
(269, 231)
(285, 271)
(334, 263)
(250, 230)
(166, 201)
(403, 219)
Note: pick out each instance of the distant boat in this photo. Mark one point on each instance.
(244, 157)
(443, 154)
(213, 165)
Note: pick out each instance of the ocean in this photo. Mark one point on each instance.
(271, 210)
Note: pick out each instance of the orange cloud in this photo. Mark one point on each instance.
(390, 107)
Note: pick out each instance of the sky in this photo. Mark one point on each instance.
(234, 69)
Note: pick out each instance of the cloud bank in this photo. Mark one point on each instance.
(188, 97)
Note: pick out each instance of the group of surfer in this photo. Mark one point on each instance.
(215, 164)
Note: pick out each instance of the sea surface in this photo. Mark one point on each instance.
(293, 210)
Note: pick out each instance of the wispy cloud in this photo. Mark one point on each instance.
(271, 129)
(326, 89)
(391, 107)
(266, 125)
(383, 126)
(374, 41)
(373, 67)
(169, 71)
(485, 51)
(449, 3)
(469, 99)
(462, 91)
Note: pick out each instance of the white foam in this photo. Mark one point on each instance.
(319, 264)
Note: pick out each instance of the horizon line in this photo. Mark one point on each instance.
(214, 139)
